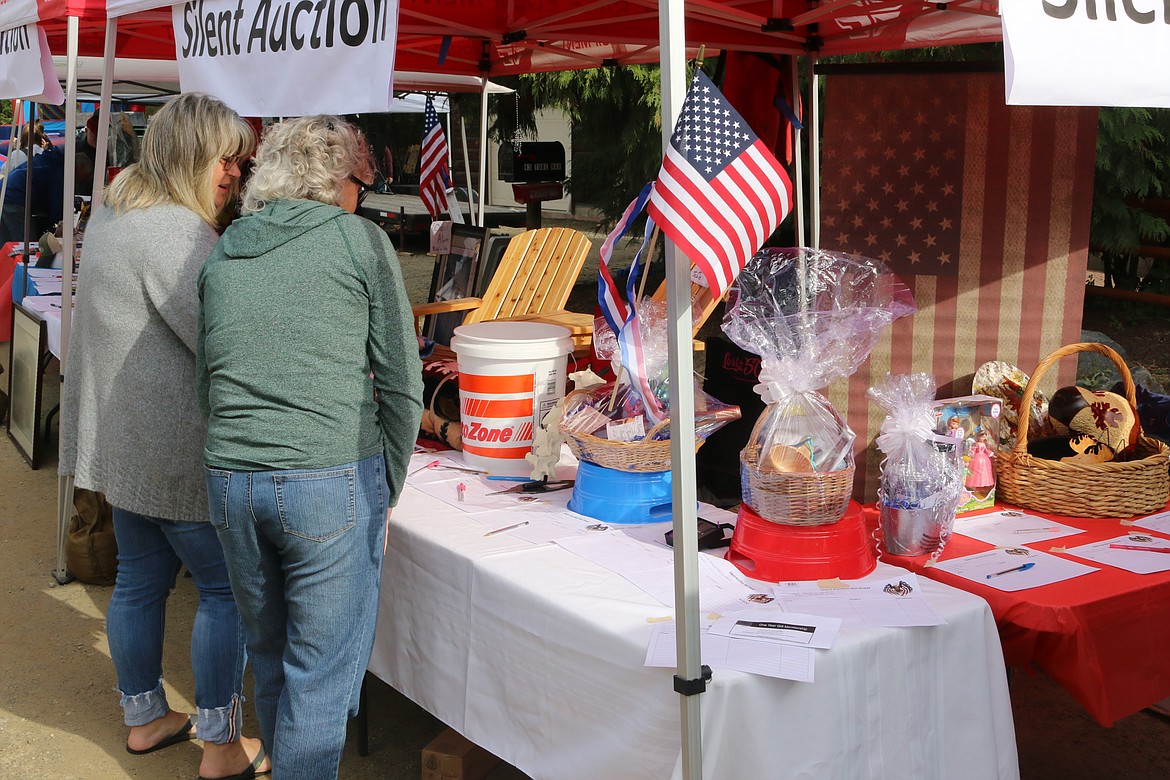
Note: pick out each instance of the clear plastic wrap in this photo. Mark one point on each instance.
(626, 406)
(591, 412)
(922, 472)
(813, 316)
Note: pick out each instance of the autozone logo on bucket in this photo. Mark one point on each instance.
(497, 414)
(475, 431)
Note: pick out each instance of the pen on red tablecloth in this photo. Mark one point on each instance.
(1030, 530)
(1023, 567)
(460, 489)
(1139, 547)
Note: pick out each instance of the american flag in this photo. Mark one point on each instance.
(983, 211)
(433, 179)
(720, 192)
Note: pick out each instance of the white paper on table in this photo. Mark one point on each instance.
(773, 624)
(1011, 528)
(1156, 522)
(439, 475)
(545, 523)
(650, 567)
(879, 600)
(772, 659)
(997, 568)
(1137, 561)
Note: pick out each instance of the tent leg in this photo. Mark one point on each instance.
(64, 512)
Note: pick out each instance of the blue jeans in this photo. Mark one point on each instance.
(150, 551)
(304, 549)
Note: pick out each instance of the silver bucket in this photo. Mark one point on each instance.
(916, 531)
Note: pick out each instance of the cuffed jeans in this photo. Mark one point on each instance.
(304, 551)
(150, 552)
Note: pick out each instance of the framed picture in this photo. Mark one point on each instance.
(26, 353)
(454, 277)
(489, 259)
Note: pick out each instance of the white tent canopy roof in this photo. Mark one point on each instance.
(164, 75)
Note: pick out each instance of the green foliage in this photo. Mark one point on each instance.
(617, 140)
(1132, 164)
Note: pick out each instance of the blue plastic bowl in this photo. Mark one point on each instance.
(621, 497)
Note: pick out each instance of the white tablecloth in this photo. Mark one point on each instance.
(537, 655)
(48, 308)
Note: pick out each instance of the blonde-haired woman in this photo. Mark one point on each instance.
(131, 427)
(311, 377)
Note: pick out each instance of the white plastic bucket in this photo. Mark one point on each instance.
(510, 375)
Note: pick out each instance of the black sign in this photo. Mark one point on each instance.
(532, 161)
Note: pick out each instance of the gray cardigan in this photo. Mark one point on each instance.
(130, 424)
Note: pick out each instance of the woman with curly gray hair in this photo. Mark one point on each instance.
(309, 374)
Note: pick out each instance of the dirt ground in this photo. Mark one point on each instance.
(59, 718)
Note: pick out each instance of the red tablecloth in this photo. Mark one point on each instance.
(1105, 636)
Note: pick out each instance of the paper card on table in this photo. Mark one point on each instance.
(1140, 561)
(1011, 528)
(650, 567)
(772, 659)
(1014, 568)
(1156, 522)
(546, 523)
(776, 625)
(889, 597)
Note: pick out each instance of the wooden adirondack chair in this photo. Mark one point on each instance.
(532, 282)
(702, 304)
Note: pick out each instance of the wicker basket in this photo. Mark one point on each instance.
(794, 498)
(644, 455)
(1136, 486)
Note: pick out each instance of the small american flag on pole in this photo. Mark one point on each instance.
(433, 178)
(720, 192)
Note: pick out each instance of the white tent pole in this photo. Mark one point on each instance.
(13, 138)
(797, 154)
(103, 135)
(69, 250)
(814, 151)
(67, 242)
(471, 213)
(483, 143)
(688, 679)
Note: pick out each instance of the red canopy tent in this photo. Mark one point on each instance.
(497, 37)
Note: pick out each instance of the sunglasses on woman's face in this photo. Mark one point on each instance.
(363, 188)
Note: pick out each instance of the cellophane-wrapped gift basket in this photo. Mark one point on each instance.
(620, 431)
(813, 316)
(922, 471)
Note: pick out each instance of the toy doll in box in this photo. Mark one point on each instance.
(974, 421)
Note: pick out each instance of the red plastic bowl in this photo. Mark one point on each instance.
(772, 552)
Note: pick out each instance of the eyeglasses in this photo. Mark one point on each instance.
(363, 188)
(230, 160)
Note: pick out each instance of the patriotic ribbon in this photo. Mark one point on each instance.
(623, 320)
(608, 296)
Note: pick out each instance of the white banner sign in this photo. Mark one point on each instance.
(289, 57)
(1087, 52)
(26, 66)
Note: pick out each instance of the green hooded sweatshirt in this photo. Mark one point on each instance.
(307, 356)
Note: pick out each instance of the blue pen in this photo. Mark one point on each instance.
(1024, 567)
(506, 478)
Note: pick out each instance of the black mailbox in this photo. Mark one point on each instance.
(532, 161)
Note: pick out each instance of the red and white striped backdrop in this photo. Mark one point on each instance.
(1024, 186)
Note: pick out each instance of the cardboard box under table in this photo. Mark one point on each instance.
(537, 655)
